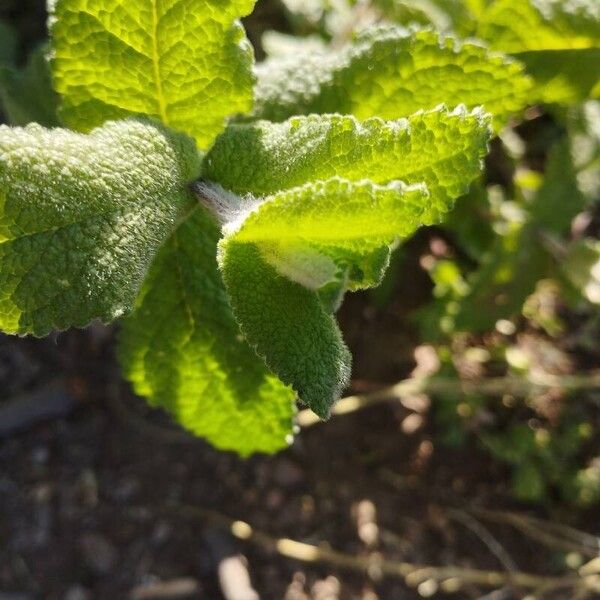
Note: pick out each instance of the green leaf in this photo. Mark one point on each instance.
(182, 349)
(334, 234)
(515, 26)
(440, 148)
(330, 208)
(287, 262)
(391, 73)
(184, 62)
(27, 95)
(335, 213)
(287, 325)
(82, 217)
(558, 41)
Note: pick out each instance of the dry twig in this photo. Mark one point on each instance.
(492, 386)
(450, 578)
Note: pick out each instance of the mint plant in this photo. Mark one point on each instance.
(222, 211)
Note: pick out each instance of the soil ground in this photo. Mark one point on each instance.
(90, 503)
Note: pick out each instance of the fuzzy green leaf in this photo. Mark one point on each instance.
(182, 349)
(518, 25)
(558, 41)
(391, 73)
(82, 217)
(336, 213)
(440, 148)
(287, 325)
(334, 233)
(184, 62)
(289, 261)
(330, 207)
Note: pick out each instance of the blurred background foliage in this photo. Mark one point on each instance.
(513, 278)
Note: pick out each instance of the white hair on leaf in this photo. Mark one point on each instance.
(229, 208)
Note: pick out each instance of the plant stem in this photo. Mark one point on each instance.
(492, 386)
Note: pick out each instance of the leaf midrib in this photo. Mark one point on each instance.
(162, 105)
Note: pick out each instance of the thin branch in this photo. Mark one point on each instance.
(412, 573)
(492, 386)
